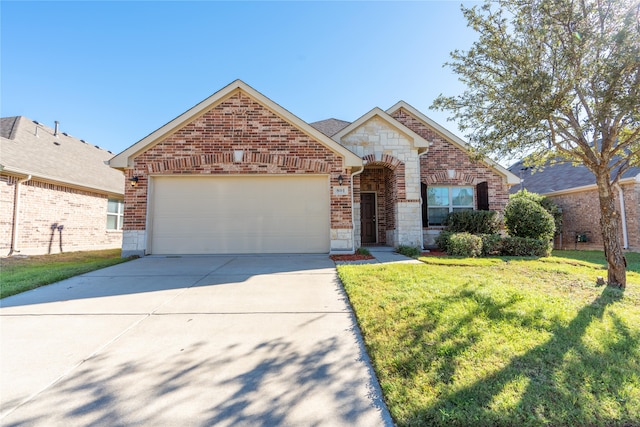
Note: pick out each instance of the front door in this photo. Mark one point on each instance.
(368, 227)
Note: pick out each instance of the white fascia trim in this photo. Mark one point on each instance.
(589, 187)
(418, 141)
(57, 181)
(125, 159)
(512, 179)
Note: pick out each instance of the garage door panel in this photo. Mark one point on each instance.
(271, 214)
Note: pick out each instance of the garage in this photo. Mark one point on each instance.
(239, 214)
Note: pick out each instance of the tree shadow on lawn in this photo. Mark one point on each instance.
(566, 383)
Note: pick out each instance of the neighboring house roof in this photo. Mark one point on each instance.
(330, 126)
(124, 159)
(30, 148)
(559, 177)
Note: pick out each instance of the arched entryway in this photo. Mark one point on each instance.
(382, 185)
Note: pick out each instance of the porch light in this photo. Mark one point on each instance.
(133, 181)
(340, 179)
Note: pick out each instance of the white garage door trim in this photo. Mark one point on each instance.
(220, 214)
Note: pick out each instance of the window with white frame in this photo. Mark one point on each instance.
(115, 214)
(443, 200)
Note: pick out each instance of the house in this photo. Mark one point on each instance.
(573, 189)
(238, 173)
(57, 193)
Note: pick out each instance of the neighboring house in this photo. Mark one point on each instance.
(573, 189)
(238, 173)
(57, 192)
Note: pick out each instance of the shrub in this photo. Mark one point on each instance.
(442, 241)
(410, 251)
(363, 251)
(548, 204)
(523, 246)
(474, 222)
(465, 244)
(526, 218)
(491, 244)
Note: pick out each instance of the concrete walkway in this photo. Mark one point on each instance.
(201, 340)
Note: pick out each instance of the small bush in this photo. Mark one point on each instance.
(410, 251)
(363, 251)
(442, 241)
(491, 244)
(474, 222)
(465, 244)
(548, 204)
(526, 218)
(523, 246)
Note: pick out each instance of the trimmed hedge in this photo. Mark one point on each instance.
(523, 246)
(474, 222)
(409, 251)
(465, 244)
(469, 245)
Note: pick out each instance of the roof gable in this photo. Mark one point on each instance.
(418, 142)
(125, 158)
(30, 148)
(452, 138)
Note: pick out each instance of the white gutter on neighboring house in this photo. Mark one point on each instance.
(623, 217)
(16, 215)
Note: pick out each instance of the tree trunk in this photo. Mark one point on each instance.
(609, 224)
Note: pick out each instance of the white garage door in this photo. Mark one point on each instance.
(240, 214)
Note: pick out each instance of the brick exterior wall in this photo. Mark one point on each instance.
(581, 214)
(444, 156)
(237, 136)
(82, 214)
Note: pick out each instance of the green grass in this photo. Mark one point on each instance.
(22, 274)
(502, 341)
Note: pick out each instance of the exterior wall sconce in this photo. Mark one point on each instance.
(133, 181)
(340, 180)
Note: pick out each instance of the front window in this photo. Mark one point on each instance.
(443, 200)
(115, 210)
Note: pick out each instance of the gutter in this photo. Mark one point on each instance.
(623, 217)
(16, 215)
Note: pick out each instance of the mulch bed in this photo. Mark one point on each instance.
(433, 253)
(354, 257)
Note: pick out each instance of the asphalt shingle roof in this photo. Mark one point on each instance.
(31, 148)
(557, 177)
(330, 127)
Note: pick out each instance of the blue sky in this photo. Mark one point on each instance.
(113, 72)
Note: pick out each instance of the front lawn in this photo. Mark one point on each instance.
(502, 341)
(22, 274)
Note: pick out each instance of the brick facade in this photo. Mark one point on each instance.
(237, 131)
(238, 136)
(43, 208)
(581, 215)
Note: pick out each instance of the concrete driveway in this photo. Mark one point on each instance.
(199, 340)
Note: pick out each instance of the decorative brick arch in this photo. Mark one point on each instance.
(442, 177)
(194, 162)
(385, 160)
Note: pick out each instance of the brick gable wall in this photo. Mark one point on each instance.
(444, 156)
(237, 136)
(82, 214)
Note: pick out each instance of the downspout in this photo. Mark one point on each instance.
(353, 218)
(16, 215)
(421, 201)
(623, 217)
